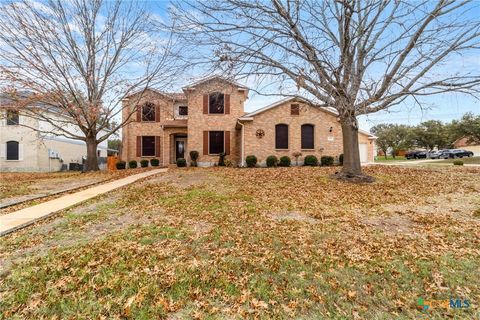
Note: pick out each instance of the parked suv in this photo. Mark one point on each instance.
(416, 154)
(455, 153)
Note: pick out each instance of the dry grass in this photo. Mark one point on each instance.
(254, 243)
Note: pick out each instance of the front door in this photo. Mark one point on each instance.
(179, 149)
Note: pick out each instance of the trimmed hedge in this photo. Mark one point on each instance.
(194, 156)
(326, 161)
(120, 165)
(285, 161)
(251, 161)
(154, 162)
(144, 163)
(272, 161)
(132, 164)
(181, 162)
(310, 160)
(458, 163)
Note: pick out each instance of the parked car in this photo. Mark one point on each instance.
(435, 154)
(455, 153)
(416, 154)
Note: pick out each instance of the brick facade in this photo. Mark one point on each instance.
(327, 132)
(239, 129)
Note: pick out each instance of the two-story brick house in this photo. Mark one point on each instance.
(208, 116)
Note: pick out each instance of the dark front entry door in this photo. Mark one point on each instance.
(180, 149)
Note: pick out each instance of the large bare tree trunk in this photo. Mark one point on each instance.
(91, 163)
(352, 169)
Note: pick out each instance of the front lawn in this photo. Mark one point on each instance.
(226, 243)
(389, 158)
(21, 186)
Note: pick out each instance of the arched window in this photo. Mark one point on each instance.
(12, 150)
(281, 136)
(308, 136)
(216, 102)
(148, 112)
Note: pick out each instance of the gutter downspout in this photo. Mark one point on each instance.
(242, 153)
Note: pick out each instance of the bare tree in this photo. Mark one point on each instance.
(357, 56)
(78, 59)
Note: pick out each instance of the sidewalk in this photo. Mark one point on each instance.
(22, 218)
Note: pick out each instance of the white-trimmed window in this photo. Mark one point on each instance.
(281, 136)
(13, 150)
(216, 103)
(148, 112)
(216, 142)
(148, 146)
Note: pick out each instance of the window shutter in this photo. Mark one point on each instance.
(3, 148)
(139, 146)
(227, 142)
(205, 142)
(227, 104)
(157, 113)
(157, 146)
(20, 151)
(205, 104)
(139, 114)
(295, 109)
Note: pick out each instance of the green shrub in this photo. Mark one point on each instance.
(221, 159)
(132, 164)
(272, 161)
(154, 162)
(285, 161)
(181, 162)
(326, 161)
(144, 163)
(251, 161)
(120, 165)
(310, 160)
(458, 163)
(340, 159)
(194, 156)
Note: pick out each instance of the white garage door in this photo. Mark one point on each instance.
(363, 152)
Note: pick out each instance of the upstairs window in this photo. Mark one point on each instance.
(216, 142)
(216, 103)
(12, 150)
(308, 141)
(12, 118)
(148, 146)
(281, 136)
(148, 112)
(183, 111)
(295, 109)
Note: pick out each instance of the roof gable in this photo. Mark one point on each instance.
(177, 96)
(193, 85)
(331, 111)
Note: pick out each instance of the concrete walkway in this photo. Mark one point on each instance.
(22, 218)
